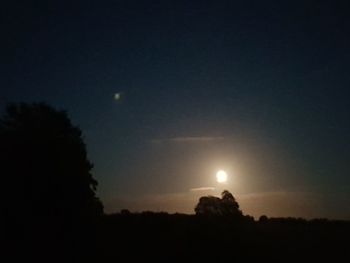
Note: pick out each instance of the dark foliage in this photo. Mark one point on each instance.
(47, 187)
(211, 205)
(263, 218)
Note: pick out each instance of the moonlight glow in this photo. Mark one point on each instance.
(221, 176)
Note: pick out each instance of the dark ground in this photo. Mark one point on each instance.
(191, 238)
(160, 237)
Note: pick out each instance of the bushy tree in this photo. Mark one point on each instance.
(229, 205)
(211, 205)
(45, 171)
(208, 205)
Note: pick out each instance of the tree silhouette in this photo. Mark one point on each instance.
(211, 205)
(229, 204)
(208, 205)
(263, 218)
(44, 167)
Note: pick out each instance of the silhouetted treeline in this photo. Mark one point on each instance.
(183, 237)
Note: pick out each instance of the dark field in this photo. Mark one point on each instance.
(196, 238)
(149, 237)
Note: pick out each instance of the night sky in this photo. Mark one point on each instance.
(259, 89)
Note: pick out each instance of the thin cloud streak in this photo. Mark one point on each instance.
(190, 139)
(202, 189)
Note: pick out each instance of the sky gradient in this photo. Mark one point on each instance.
(258, 89)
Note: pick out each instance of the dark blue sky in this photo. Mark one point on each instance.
(259, 89)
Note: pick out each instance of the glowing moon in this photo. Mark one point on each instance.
(221, 176)
(117, 96)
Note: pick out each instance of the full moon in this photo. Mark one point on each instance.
(221, 176)
(117, 96)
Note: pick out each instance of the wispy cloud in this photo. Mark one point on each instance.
(189, 139)
(202, 189)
